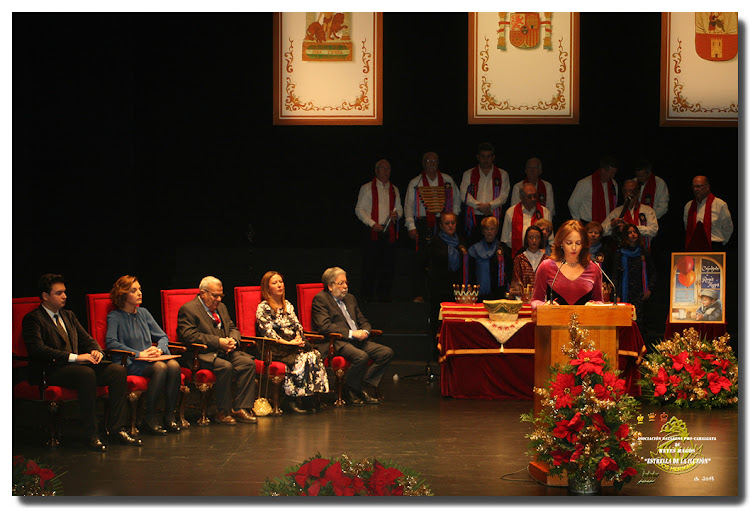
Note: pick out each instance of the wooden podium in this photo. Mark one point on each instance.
(552, 333)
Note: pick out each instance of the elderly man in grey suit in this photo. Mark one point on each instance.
(335, 310)
(205, 320)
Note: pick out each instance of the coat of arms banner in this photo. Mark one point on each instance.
(523, 67)
(328, 68)
(699, 69)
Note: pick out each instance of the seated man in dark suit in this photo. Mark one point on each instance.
(205, 320)
(334, 310)
(55, 339)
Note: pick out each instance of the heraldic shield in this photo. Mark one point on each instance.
(716, 35)
(524, 29)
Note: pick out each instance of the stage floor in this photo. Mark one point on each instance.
(462, 448)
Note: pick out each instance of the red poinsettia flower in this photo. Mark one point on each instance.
(606, 464)
(622, 434)
(599, 424)
(341, 483)
(560, 457)
(565, 389)
(568, 429)
(695, 369)
(33, 469)
(675, 380)
(382, 479)
(682, 395)
(716, 383)
(705, 356)
(660, 382)
(577, 452)
(629, 471)
(588, 362)
(611, 388)
(679, 361)
(723, 364)
(312, 468)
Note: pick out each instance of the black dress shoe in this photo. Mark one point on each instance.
(154, 430)
(367, 398)
(290, 405)
(172, 427)
(123, 437)
(96, 444)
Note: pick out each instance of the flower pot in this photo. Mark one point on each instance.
(582, 485)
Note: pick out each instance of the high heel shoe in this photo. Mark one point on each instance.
(290, 405)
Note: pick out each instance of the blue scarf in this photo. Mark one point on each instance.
(594, 249)
(454, 258)
(627, 254)
(483, 252)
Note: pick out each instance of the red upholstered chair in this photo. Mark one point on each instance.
(98, 305)
(202, 379)
(246, 300)
(338, 364)
(51, 396)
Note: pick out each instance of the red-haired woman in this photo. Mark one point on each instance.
(132, 328)
(275, 318)
(568, 277)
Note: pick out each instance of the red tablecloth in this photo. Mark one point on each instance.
(474, 366)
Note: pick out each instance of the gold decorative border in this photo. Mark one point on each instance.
(361, 108)
(673, 98)
(558, 102)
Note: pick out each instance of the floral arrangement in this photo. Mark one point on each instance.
(689, 371)
(585, 426)
(30, 478)
(320, 476)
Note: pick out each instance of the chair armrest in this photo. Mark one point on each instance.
(376, 332)
(125, 354)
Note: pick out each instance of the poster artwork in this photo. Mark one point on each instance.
(716, 35)
(327, 37)
(698, 281)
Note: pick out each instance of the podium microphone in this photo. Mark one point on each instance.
(549, 289)
(614, 288)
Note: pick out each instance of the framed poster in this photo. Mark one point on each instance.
(328, 68)
(699, 69)
(697, 287)
(523, 67)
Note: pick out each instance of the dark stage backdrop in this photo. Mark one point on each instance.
(144, 144)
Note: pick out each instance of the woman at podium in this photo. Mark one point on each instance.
(568, 277)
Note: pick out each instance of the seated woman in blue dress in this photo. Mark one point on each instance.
(568, 277)
(493, 270)
(132, 328)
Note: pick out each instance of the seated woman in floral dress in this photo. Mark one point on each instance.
(527, 260)
(275, 318)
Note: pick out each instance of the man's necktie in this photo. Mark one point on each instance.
(217, 320)
(62, 331)
(349, 319)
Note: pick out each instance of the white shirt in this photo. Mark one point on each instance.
(363, 209)
(507, 235)
(661, 196)
(515, 196)
(409, 205)
(649, 230)
(485, 189)
(534, 258)
(722, 226)
(579, 203)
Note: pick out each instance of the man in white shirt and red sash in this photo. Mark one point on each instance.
(379, 208)
(633, 212)
(484, 190)
(519, 217)
(428, 195)
(708, 223)
(652, 190)
(595, 196)
(545, 194)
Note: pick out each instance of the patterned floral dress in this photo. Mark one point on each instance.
(306, 374)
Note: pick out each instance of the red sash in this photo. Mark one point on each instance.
(648, 197)
(541, 190)
(632, 217)
(497, 184)
(516, 238)
(375, 214)
(691, 221)
(598, 204)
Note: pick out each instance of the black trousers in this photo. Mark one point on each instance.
(379, 266)
(84, 378)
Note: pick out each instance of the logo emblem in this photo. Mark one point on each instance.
(524, 29)
(716, 35)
